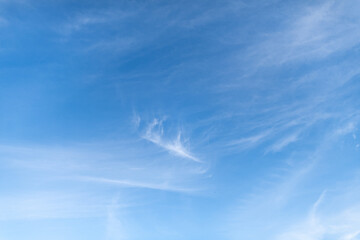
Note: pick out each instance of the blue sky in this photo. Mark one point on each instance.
(129, 120)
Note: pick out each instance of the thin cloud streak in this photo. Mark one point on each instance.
(249, 142)
(134, 184)
(115, 228)
(281, 144)
(316, 33)
(342, 225)
(275, 196)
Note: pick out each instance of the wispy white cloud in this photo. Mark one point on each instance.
(311, 229)
(130, 164)
(154, 133)
(57, 166)
(278, 146)
(343, 225)
(346, 129)
(251, 141)
(265, 204)
(90, 22)
(281, 122)
(136, 120)
(276, 195)
(115, 229)
(316, 32)
(79, 22)
(135, 184)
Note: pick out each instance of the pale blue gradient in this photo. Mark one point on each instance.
(179, 120)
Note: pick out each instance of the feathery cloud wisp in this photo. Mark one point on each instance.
(278, 146)
(154, 134)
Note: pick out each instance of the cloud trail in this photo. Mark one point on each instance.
(135, 184)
